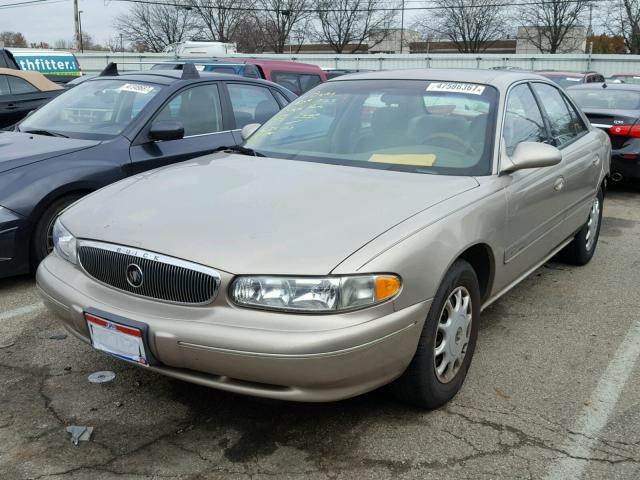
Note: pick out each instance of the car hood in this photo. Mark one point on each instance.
(18, 149)
(244, 214)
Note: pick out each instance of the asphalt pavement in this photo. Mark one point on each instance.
(552, 393)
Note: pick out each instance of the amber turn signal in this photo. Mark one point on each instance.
(386, 286)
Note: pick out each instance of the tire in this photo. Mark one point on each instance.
(583, 246)
(420, 384)
(41, 245)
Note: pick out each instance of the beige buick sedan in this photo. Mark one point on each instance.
(351, 242)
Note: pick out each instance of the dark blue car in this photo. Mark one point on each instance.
(108, 128)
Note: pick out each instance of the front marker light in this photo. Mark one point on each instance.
(314, 294)
(64, 243)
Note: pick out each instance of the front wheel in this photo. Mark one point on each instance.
(447, 342)
(583, 246)
(42, 240)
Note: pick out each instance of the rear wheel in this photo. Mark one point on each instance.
(583, 246)
(447, 342)
(42, 240)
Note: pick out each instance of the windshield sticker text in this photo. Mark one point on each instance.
(136, 88)
(471, 88)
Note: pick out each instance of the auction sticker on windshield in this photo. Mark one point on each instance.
(457, 87)
(136, 88)
(119, 340)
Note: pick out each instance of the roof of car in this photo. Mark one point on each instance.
(497, 78)
(564, 73)
(36, 79)
(167, 77)
(271, 63)
(609, 86)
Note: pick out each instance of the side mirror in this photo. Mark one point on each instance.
(249, 130)
(166, 130)
(531, 155)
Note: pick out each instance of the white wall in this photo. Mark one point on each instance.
(606, 64)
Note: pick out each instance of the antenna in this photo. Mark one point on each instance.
(110, 70)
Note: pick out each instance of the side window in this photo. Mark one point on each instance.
(288, 80)
(563, 127)
(4, 85)
(578, 125)
(523, 120)
(3, 61)
(251, 103)
(251, 71)
(281, 98)
(307, 82)
(198, 109)
(18, 85)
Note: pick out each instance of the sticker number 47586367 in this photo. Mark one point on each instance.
(457, 87)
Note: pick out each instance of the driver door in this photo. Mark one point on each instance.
(534, 212)
(199, 109)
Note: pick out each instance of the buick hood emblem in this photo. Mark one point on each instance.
(134, 275)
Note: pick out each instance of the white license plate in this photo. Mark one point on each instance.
(119, 340)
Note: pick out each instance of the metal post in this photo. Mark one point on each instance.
(76, 23)
(80, 30)
(402, 29)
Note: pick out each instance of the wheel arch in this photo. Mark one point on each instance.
(480, 257)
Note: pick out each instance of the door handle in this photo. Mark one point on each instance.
(596, 160)
(558, 184)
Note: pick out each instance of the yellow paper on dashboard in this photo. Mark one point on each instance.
(417, 159)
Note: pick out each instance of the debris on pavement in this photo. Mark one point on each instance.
(80, 433)
(58, 337)
(102, 377)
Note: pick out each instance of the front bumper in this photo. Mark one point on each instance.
(14, 244)
(268, 354)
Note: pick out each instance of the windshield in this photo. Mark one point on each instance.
(416, 126)
(606, 98)
(563, 80)
(95, 110)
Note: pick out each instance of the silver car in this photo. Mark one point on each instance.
(351, 242)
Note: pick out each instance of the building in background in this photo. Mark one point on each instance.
(531, 39)
(446, 46)
(391, 38)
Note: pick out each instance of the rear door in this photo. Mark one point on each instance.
(581, 162)
(250, 103)
(207, 128)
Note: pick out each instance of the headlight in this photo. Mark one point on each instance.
(314, 294)
(64, 243)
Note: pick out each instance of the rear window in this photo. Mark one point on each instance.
(606, 99)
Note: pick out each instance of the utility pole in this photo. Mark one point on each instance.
(402, 29)
(76, 21)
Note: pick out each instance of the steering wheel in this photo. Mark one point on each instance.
(446, 136)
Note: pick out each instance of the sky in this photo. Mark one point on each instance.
(49, 22)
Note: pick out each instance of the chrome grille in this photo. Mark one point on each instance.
(164, 278)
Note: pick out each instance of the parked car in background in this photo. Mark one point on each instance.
(625, 78)
(294, 76)
(22, 92)
(201, 49)
(108, 128)
(325, 259)
(615, 108)
(56, 65)
(567, 79)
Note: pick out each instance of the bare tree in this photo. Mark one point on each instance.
(624, 20)
(471, 25)
(13, 39)
(277, 19)
(551, 26)
(156, 26)
(220, 18)
(248, 36)
(348, 24)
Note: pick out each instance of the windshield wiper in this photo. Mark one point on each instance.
(243, 151)
(45, 132)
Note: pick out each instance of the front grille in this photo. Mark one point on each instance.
(163, 278)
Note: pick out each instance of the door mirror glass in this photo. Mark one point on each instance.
(531, 155)
(249, 130)
(166, 130)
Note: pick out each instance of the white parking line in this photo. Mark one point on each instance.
(601, 404)
(16, 312)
